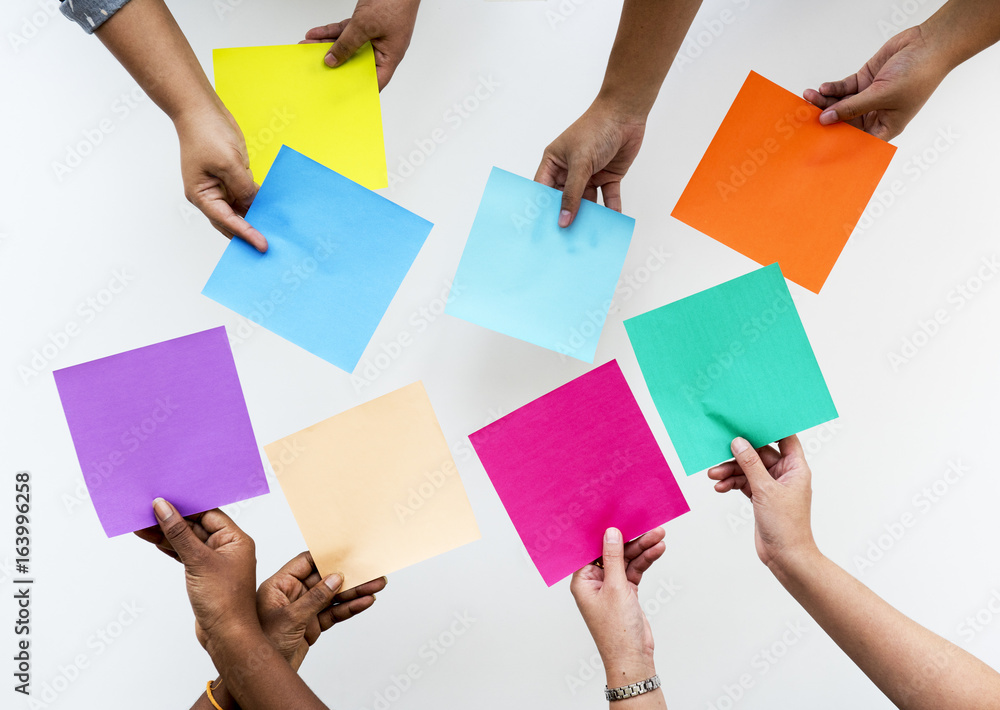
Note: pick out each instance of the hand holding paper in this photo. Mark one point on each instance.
(387, 24)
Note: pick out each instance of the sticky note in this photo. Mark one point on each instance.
(733, 360)
(777, 186)
(524, 276)
(166, 420)
(337, 253)
(375, 489)
(575, 462)
(286, 95)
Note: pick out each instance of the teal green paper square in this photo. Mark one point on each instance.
(733, 360)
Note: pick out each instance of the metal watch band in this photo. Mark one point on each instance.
(630, 691)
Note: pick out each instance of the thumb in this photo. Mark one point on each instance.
(347, 44)
(577, 177)
(318, 598)
(852, 107)
(749, 461)
(241, 189)
(614, 559)
(175, 528)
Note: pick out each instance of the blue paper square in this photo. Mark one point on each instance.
(524, 276)
(337, 253)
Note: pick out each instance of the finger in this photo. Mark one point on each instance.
(751, 465)
(362, 590)
(847, 85)
(852, 107)
(577, 177)
(730, 468)
(177, 532)
(643, 542)
(817, 99)
(240, 186)
(300, 567)
(318, 598)
(343, 612)
(732, 483)
(217, 523)
(350, 40)
(643, 562)
(791, 446)
(614, 558)
(612, 193)
(326, 32)
(549, 173)
(152, 535)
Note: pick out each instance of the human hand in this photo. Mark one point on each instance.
(889, 90)
(387, 24)
(595, 152)
(216, 171)
(609, 603)
(220, 571)
(779, 484)
(294, 608)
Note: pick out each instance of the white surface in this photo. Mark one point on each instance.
(123, 208)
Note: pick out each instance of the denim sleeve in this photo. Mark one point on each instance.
(91, 14)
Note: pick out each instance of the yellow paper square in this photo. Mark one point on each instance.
(375, 489)
(285, 94)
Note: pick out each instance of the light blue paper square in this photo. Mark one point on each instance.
(524, 276)
(337, 253)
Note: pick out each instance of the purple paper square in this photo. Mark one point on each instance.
(166, 420)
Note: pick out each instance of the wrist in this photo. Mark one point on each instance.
(795, 562)
(622, 106)
(624, 670)
(234, 634)
(946, 47)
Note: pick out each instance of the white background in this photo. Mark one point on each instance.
(123, 209)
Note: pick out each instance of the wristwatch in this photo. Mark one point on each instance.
(630, 691)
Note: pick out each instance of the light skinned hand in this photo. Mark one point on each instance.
(593, 153)
(779, 484)
(216, 171)
(294, 606)
(220, 571)
(609, 603)
(387, 24)
(888, 91)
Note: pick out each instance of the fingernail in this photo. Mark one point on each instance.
(162, 510)
(827, 117)
(330, 60)
(334, 580)
(613, 535)
(385, 580)
(564, 218)
(740, 445)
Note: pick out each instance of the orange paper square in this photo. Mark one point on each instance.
(775, 185)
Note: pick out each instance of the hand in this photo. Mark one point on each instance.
(294, 608)
(387, 24)
(220, 571)
(609, 603)
(889, 90)
(779, 484)
(595, 152)
(216, 172)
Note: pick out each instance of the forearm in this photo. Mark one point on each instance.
(144, 37)
(960, 29)
(256, 674)
(915, 668)
(649, 34)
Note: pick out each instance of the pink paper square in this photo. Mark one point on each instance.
(575, 462)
